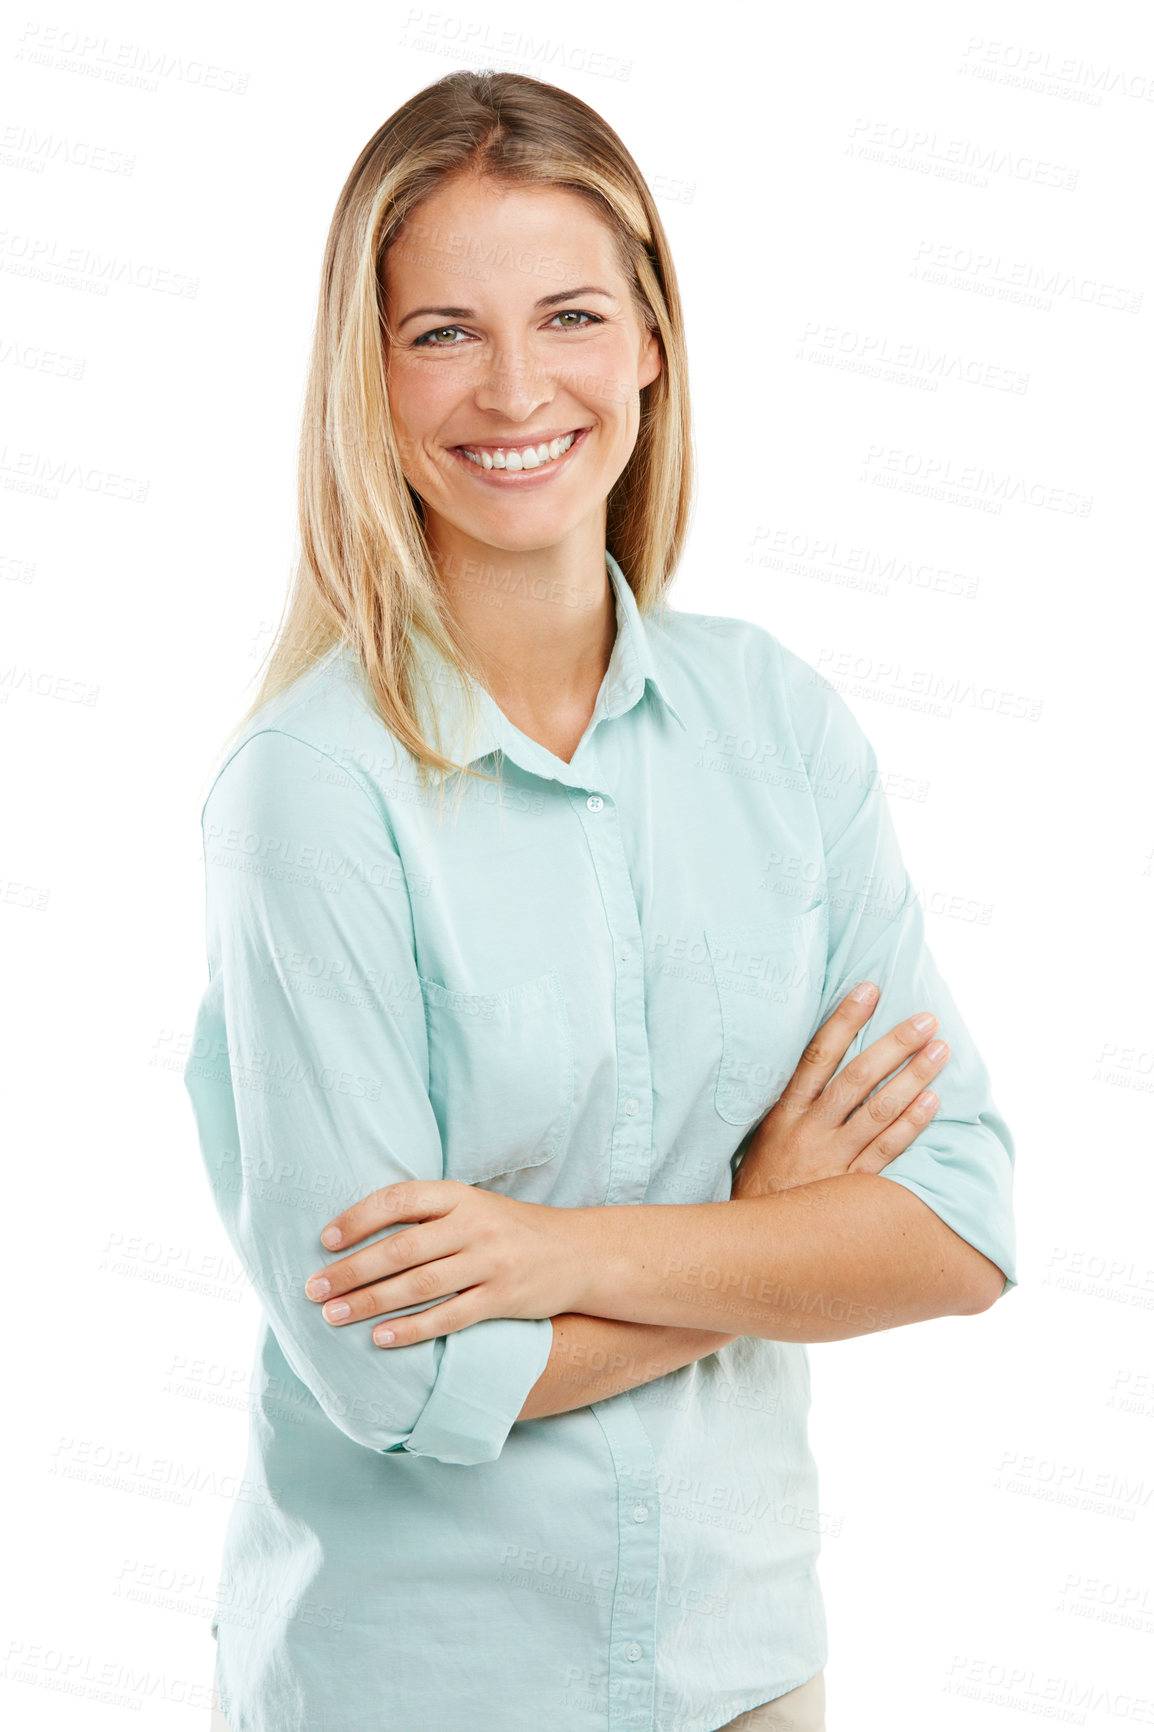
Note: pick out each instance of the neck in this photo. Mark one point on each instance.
(541, 626)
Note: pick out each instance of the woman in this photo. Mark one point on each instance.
(569, 1070)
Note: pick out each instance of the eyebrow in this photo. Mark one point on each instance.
(470, 313)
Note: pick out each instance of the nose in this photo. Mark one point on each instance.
(515, 384)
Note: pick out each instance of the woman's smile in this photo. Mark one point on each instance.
(528, 464)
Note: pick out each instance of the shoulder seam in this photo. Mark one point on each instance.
(354, 776)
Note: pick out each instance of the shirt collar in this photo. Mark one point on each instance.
(634, 665)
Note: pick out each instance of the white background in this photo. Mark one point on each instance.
(881, 216)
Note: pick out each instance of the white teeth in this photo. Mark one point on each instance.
(530, 457)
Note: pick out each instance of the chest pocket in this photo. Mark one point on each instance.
(500, 1075)
(769, 977)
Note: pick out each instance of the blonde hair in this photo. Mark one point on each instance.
(364, 575)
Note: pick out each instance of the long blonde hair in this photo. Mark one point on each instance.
(364, 575)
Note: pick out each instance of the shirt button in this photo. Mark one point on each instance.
(594, 802)
(633, 1652)
(631, 1105)
(625, 952)
(640, 1513)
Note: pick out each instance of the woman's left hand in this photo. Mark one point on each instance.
(496, 1256)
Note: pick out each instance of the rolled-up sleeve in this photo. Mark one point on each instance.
(308, 1079)
(961, 1164)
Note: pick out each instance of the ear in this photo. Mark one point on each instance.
(650, 363)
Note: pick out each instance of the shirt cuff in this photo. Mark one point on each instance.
(486, 1371)
(984, 1223)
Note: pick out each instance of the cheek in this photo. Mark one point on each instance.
(413, 425)
(618, 363)
(420, 403)
(414, 397)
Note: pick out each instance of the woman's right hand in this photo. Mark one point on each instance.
(821, 1129)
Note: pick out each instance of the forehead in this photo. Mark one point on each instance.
(481, 237)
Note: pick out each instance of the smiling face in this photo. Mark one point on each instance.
(516, 366)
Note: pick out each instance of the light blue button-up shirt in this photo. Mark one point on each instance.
(583, 988)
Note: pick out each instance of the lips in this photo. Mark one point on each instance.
(519, 477)
(523, 442)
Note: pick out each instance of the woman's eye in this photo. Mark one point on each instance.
(576, 313)
(423, 342)
(566, 313)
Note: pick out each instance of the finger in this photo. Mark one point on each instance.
(897, 1137)
(412, 1287)
(407, 1200)
(829, 1046)
(893, 1096)
(409, 1248)
(849, 1088)
(457, 1313)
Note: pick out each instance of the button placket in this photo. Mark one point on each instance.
(631, 1143)
(633, 1619)
(633, 1628)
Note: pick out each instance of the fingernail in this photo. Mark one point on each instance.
(331, 1237)
(936, 1049)
(384, 1336)
(318, 1287)
(924, 1021)
(337, 1310)
(863, 991)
